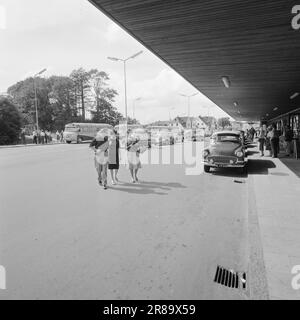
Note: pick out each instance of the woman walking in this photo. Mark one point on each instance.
(100, 146)
(133, 155)
(113, 157)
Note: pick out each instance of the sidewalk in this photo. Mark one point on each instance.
(30, 145)
(276, 191)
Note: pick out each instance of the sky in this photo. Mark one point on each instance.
(63, 35)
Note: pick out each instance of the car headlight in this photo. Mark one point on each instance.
(205, 153)
(239, 154)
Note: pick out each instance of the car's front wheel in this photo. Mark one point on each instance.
(206, 168)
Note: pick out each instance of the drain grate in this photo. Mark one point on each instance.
(230, 278)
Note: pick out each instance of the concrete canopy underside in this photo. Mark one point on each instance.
(250, 41)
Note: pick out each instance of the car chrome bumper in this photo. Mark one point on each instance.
(240, 164)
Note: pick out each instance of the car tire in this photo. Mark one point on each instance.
(206, 168)
(79, 140)
(68, 142)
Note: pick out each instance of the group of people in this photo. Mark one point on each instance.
(268, 138)
(107, 156)
(41, 136)
(250, 133)
(59, 136)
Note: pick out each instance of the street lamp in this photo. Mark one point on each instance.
(170, 108)
(133, 106)
(124, 63)
(188, 98)
(35, 98)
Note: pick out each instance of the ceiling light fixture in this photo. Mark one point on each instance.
(275, 109)
(296, 94)
(226, 81)
(235, 104)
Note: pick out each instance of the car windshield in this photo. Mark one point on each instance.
(226, 138)
(71, 129)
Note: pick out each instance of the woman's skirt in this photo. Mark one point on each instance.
(134, 161)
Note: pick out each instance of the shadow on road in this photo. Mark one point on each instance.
(255, 166)
(228, 172)
(147, 187)
(260, 166)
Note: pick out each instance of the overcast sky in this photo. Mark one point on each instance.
(62, 35)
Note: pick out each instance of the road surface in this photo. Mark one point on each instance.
(63, 237)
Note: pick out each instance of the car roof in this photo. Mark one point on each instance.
(227, 132)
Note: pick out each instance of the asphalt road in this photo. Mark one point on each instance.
(64, 237)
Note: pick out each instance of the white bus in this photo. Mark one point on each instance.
(80, 132)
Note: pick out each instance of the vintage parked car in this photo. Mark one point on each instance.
(160, 135)
(226, 150)
(143, 135)
(197, 135)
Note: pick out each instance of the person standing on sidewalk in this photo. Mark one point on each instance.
(57, 136)
(35, 138)
(42, 137)
(46, 137)
(23, 136)
(62, 136)
(38, 136)
(274, 142)
(262, 140)
(288, 136)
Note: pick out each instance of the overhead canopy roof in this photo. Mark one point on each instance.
(251, 42)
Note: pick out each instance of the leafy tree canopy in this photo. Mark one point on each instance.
(10, 122)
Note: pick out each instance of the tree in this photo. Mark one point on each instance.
(210, 121)
(224, 122)
(104, 96)
(63, 101)
(24, 99)
(81, 79)
(57, 99)
(132, 121)
(10, 122)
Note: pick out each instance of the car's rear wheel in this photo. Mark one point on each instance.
(68, 142)
(206, 168)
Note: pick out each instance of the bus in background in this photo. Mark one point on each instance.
(80, 132)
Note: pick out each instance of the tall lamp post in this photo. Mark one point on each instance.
(35, 98)
(124, 64)
(188, 99)
(170, 108)
(133, 106)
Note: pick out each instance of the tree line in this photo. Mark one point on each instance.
(63, 99)
(60, 100)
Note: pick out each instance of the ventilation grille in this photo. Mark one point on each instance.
(230, 278)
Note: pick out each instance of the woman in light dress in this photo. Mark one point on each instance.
(100, 145)
(134, 149)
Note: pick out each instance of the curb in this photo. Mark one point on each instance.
(30, 145)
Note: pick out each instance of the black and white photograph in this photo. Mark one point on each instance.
(149, 151)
